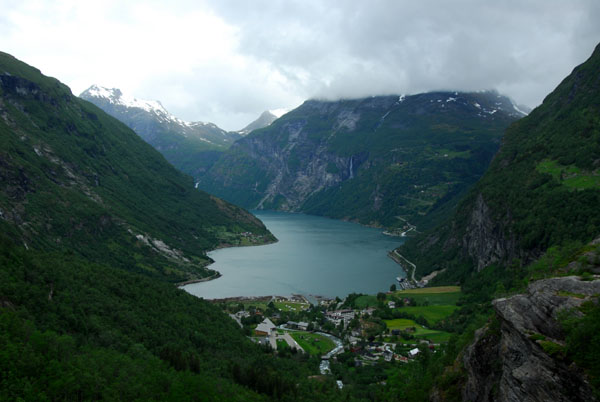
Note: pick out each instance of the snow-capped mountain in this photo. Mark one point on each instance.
(190, 146)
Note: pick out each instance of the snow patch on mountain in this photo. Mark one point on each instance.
(116, 97)
(279, 112)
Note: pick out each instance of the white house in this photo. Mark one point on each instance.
(265, 328)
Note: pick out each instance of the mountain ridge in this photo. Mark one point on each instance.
(538, 191)
(190, 146)
(347, 159)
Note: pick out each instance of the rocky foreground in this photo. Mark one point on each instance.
(520, 360)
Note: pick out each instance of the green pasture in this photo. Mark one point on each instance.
(313, 344)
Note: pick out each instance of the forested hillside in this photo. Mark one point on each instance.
(95, 227)
(74, 178)
(542, 188)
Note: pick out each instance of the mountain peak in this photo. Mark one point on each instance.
(116, 97)
(265, 119)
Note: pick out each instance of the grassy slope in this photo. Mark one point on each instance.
(313, 344)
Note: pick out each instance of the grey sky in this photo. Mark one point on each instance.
(227, 61)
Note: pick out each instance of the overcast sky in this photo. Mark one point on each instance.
(227, 61)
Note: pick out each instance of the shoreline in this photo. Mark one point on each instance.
(399, 258)
(217, 274)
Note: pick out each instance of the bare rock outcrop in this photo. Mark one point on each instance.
(508, 362)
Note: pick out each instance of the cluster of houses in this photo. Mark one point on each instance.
(345, 315)
(365, 354)
(374, 351)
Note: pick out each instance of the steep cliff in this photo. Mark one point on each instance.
(542, 188)
(522, 358)
(381, 160)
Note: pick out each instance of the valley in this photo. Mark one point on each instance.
(497, 214)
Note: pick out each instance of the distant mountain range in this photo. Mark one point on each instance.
(192, 147)
(383, 160)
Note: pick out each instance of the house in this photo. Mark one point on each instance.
(413, 352)
(265, 328)
(368, 311)
(303, 326)
(339, 315)
(395, 332)
(392, 304)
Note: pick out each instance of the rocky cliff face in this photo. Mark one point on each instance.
(372, 160)
(486, 240)
(518, 361)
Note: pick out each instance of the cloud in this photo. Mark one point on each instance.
(226, 61)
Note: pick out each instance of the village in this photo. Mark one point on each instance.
(360, 330)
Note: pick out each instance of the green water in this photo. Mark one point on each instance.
(314, 256)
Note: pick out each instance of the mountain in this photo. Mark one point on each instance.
(542, 189)
(95, 226)
(382, 160)
(190, 146)
(74, 178)
(264, 120)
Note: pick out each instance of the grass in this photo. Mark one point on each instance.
(432, 290)
(432, 314)
(420, 332)
(291, 306)
(570, 176)
(313, 344)
(401, 323)
(247, 304)
(441, 295)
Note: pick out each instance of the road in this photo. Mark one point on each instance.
(414, 267)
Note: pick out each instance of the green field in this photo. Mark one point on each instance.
(401, 323)
(432, 314)
(291, 306)
(423, 333)
(570, 176)
(441, 295)
(313, 344)
(436, 290)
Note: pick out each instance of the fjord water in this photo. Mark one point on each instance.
(314, 256)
